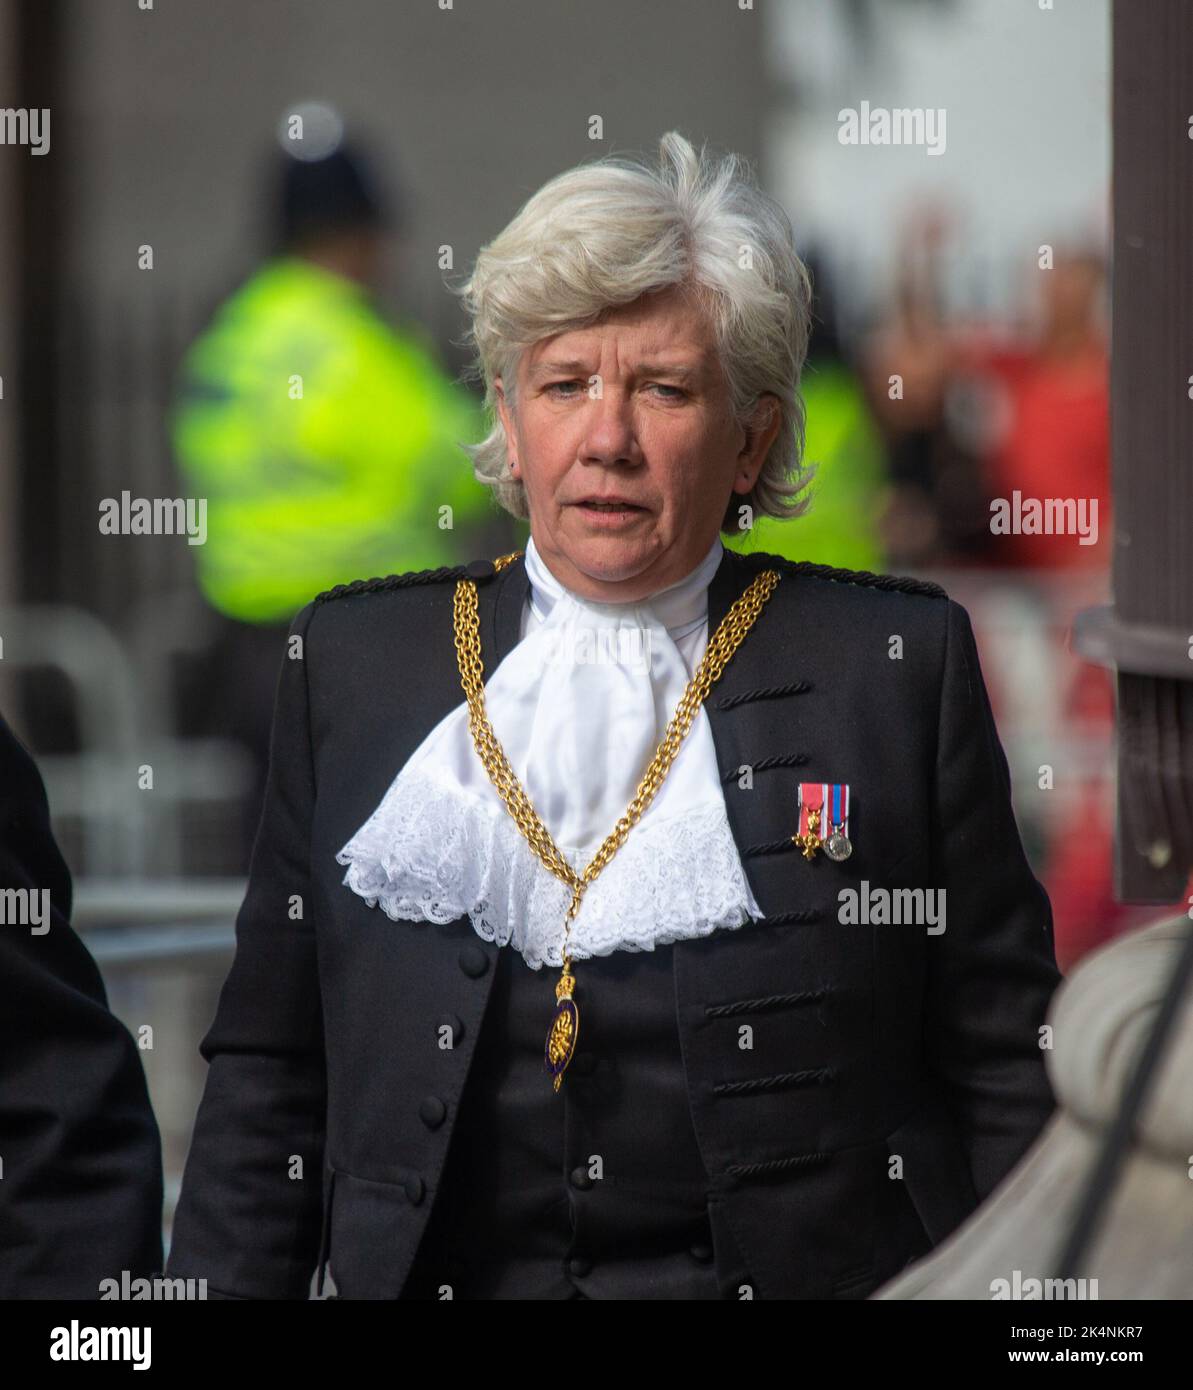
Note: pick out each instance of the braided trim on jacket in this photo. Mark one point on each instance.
(477, 570)
(395, 581)
(893, 583)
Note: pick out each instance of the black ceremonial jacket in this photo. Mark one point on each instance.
(328, 1110)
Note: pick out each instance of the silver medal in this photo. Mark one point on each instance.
(837, 846)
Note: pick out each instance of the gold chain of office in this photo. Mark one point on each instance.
(721, 647)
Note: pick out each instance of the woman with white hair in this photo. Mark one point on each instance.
(628, 917)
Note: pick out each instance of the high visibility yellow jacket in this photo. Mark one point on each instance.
(847, 492)
(325, 443)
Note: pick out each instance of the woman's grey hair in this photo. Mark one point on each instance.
(608, 231)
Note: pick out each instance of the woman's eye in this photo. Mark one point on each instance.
(560, 389)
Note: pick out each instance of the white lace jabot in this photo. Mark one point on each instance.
(579, 706)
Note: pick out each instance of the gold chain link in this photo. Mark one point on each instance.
(725, 641)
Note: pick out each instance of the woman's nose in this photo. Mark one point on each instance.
(609, 433)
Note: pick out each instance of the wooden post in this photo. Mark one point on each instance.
(1148, 632)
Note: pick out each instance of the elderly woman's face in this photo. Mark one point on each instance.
(633, 410)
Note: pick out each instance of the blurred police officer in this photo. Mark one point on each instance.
(317, 433)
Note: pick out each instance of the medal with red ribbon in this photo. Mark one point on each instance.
(824, 820)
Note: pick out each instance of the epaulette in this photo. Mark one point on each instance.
(476, 570)
(895, 583)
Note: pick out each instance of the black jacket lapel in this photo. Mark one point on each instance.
(739, 734)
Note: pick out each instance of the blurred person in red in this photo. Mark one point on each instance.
(998, 435)
(1048, 418)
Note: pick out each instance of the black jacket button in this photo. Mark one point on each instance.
(432, 1111)
(579, 1265)
(479, 569)
(473, 961)
(579, 1178)
(701, 1252)
(416, 1189)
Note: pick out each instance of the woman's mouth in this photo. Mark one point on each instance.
(611, 513)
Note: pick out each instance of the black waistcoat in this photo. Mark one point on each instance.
(596, 1191)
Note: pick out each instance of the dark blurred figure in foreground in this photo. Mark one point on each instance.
(81, 1195)
(325, 442)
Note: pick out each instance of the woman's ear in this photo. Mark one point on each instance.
(761, 433)
(507, 424)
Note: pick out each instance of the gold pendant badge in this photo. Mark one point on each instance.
(565, 1027)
